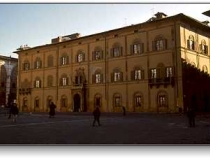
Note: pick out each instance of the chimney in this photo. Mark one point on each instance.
(160, 15)
(205, 22)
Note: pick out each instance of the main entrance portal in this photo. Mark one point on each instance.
(77, 101)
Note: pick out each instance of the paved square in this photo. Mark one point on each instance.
(76, 128)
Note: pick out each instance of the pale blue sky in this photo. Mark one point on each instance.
(37, 24)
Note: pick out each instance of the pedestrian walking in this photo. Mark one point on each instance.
(96, 114)
(14, 111)
(52, 110)
(191, 116)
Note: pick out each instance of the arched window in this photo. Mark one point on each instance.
(204, 47)
(50, 61)
(205, 69)
(50, 81)
(138, 99)
(63, 101)
(117, 100)
(137, 73)
(97, 77)
(191, 43)
(162, 99)
(116, 75)
(37, 63)
(98, 100)
(160, 43)
(97, 54)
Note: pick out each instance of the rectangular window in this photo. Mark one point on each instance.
(117, 76)
(138, 101)
(63, 102)
(160, 45)
(116, 52)
(153, 73)
(117, 101)
(37, 103)
(64, 81)
(98, 101)
(38, 64)
(64, 60)
(80, 57)
(98, 55)
(169, 72)
(137, 49)
(98, 78)
(26, 66)
(162, 100)
(37, 84)
(137, 75)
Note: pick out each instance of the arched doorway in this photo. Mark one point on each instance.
(77, 101)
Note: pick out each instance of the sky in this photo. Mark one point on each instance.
(36, 24)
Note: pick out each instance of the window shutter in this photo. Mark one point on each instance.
(102, 79)
(132, 75)
(40, 84)
(131, 49)
(188, 44)
(142, 74)
(67, 81)
(35, 84)
(158, 72)
(142, 48)
(154, 45)
(121, 51)
(61, 82)
(200, 48)
(76, 58)
(35, 65)
(194, 45)
(206, 49)
(83, 57)
(102, 54)
(121, 76)
(67, 59)
(165, 43)
(93, 55)
(93, 78)
(111, 52)
(23, 65)
(112, 77)
(40, 64)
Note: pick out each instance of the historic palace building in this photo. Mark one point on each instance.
(161, 65)
(8, 79)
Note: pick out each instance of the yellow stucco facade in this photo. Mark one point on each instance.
(138, 67)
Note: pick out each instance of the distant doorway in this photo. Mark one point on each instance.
(77, 101)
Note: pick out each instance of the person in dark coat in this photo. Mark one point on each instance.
(52, 110)
(191, 116)
(96, 114)
(14, 111)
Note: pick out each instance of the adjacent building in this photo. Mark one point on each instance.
(142, 67)
(8, 79)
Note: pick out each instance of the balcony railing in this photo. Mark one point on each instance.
(161, 81)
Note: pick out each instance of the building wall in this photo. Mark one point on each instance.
(171, 30)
